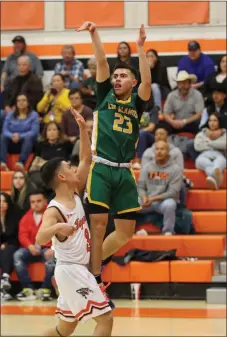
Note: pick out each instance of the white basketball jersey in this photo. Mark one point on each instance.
(76, 248)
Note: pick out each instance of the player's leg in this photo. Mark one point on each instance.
(63, 329)
(125, 204)
(104, 325)
(98, 190)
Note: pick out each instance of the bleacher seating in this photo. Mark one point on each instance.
(209, 219)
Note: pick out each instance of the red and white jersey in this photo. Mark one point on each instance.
(76, 248)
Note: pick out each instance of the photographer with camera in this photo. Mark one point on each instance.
(55, 102)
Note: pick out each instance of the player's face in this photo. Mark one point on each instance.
(38, 203)
(67, 173)
(213, 123)
(161, 150)
(161, 134)
(123, 81)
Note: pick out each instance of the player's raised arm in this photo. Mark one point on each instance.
(50, 227)
(144, 90)
(85, 153)
(103, 70)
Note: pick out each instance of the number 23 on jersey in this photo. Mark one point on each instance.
(119, 121)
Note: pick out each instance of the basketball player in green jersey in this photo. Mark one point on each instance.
(111, 185)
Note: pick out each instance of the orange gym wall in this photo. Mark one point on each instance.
(18, 15)
(178, 12)
(29, 15)
(104, 14)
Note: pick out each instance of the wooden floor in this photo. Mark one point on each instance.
(131, 318)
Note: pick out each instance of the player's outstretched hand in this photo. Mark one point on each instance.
(65, 229)
(87, 25)
(79, 119)
(142, 36)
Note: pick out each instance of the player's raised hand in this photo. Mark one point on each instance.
(87, 25)
(79, 119)
(142, 36)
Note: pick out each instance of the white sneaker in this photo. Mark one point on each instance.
(5, 284)
(26, 294)
(212, 183)
(142, 232)
(6, 296)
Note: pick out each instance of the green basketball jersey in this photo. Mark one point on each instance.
(116, 125)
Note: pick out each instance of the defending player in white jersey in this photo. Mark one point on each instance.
(64, 223)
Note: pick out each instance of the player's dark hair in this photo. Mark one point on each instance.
(163, 125)
(122, 65)
(48, 171)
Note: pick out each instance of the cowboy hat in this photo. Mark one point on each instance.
(184, 76)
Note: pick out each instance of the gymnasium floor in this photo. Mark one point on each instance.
(132, 318)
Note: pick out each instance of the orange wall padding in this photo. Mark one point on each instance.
(21, 15)
(104, 14)
(178, 12)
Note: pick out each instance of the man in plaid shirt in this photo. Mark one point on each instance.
(71, 68)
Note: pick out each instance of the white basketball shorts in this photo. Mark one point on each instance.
(80, 297)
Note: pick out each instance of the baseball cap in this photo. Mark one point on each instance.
(19, 38)
(193, 45)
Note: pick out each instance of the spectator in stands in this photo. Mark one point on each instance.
(160, 83)
(71, 68)
(89, 86)
(197, 63)
(218, 104)
(26, 82)
(89, 128)
(69, 125)
(55, 102)
(212, 159)
(184, 106)
(30, 252)
(10, 217)
(20, 189)
(10, 68)
(159, 186)
(161, 134)
(215, 79)
(51, 144)
(124, 55)
(20, 130)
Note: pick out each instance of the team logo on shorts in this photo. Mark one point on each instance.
(84, 292)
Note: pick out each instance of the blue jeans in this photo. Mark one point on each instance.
(146, 140)
(156, 91)
(22, 257)
(26, 145)
(167, 208)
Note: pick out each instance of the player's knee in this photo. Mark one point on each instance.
(124, 237)
(65, 328)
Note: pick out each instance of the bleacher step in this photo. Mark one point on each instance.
(216, 296)
(219, 279)
(223, 267)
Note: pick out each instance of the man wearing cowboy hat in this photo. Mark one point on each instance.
(184, 106)
(10, 69)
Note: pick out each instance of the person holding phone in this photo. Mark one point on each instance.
(55, 102)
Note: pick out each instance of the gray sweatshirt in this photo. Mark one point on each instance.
(204, 143)
(175, 154)
(163, 180)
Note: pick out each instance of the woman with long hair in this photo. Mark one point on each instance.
(211, 142)
(215, 79)
(20, 130)
(55, 102)
(10, 217)
(20, 189)
(160, 83)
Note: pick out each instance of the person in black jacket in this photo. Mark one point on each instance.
(215, 79)
(160, 83)
(10, 217)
